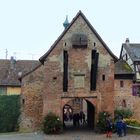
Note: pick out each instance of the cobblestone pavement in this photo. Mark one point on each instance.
(89, 136)
(78, 135)
(23, 136)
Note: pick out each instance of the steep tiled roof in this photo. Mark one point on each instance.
(133, 50)
(43, 58)
(121, 67)
(11, 70)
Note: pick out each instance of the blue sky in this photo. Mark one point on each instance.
(29, 27)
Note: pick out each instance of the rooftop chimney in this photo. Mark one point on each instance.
(66, 23)
(127, 41)
(13, 62)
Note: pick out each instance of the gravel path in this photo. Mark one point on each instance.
(78, 135)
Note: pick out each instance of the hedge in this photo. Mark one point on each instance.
(9, 113)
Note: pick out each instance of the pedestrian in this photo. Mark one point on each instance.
(124, 127)
(119, 126)
(81, 116)
(84, 118)
(109, 126)
(74, 120)
(77, 119)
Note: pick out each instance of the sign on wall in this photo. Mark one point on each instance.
(136, 90)
(79, 81)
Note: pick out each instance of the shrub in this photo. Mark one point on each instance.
(132, 122)
(125, 113)
(9, 112)
(135, 125)
(52, 124)
(101, 123)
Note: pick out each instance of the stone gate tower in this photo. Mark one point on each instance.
(78, 65)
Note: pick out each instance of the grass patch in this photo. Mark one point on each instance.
(133, 131)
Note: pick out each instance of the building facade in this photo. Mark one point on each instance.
(78, 66)
(127, 78)
(10, 72)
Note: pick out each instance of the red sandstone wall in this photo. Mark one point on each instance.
(31, 101)
(106, 88)
(79, 63)
(125, 93)
(47, 81)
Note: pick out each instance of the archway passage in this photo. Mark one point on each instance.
(67, 113)
(78, 113)
(90, 115)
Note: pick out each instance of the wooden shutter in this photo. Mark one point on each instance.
(79, 41)
(94, 66)
(65, 71)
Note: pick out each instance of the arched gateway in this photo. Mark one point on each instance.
(78, 113)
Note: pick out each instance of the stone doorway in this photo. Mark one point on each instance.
(78, 113)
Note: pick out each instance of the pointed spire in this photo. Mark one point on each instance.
(66, 23)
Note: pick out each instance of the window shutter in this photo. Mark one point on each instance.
(65, 71)
(94, 66)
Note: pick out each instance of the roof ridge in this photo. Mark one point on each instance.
(42, 58)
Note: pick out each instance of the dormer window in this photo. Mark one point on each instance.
(79, 40)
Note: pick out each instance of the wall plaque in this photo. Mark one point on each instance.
(79, 81)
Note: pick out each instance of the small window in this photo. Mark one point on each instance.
(23, 101)
(121, 84)
(124, 103)
(94, 44)
(103, 77)
(79, 40)
(54, 78)
(136, 90)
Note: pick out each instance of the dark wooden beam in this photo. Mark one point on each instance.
(78, 97)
